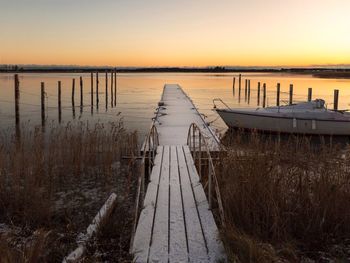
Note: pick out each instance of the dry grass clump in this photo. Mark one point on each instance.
(288, 192)
(58, 180)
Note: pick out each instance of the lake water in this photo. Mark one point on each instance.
(138, 95)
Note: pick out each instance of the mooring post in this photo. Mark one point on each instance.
(59, 103)
(258, 95)
(239, 83)
(18, 129)
(248, 91)
(97, 100)
(106, 90)
(92, 89)
(291, 94)
(42, 105)
(278, 94)
(115, 87)
(73, 94)
(233, 85)
(336, 97)
(81, 94)
(239, 88)
(264, 95)
(309, 94)
(245, 89)
(112, 80)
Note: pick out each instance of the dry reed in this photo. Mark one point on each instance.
(289, 192)
(44, 177)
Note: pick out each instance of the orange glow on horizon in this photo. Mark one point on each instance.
(226, 33)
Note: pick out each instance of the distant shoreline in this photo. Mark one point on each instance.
(316, 72)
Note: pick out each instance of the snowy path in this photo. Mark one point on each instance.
(176, 224)
(174, 118)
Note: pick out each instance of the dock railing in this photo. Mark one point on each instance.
(148, 151)
(202, 158)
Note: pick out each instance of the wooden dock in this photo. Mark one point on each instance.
(175, 223)
(174, 116)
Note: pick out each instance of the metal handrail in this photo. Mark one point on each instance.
(148, 152)
(202, 143)
(220, 100)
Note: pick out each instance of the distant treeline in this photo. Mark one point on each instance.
(317, 72)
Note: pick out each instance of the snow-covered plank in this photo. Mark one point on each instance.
(154, 177)
(177, 234)
(195, 238)
(160, 236)
(211, 233)
(143, 234)
(93, 228)
(195, 180)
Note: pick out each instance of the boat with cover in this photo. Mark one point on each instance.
(310, 117)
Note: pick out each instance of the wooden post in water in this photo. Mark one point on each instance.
(278, 94)
(291, 94)
(258, 95)
(97, 100)
(92, 90)
(59, 103)
(115, 87)
(309, 94)
(336, 97)
(81, 95)
(245, 89)
(18, 128)
(264, 95)
(106, 90)
(73, 94)
(248, 91)
(239, 84)
(112, 79)
(43, 105)
(233, 85)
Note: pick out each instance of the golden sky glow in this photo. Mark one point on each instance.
(175, 33)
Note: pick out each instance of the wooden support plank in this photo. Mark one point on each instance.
(17, 92)
(278, 94)
(177, 235)
(264, 95)
(309, 94)
(43, 116)
(290, 94)
(142, 239)
(196, 242)
(59, 102)
(336, 98)
(216, 250)
(160, 235)
(258, 95)
(233, 85)
(92, 90)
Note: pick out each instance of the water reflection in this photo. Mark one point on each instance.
(138, 95)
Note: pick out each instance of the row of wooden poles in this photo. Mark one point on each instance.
(247, 91)
(113, 102)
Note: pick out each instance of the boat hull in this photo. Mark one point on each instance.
(275, 124)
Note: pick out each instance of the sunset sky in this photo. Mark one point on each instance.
(175, 32)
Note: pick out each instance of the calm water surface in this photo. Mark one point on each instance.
(138, 95)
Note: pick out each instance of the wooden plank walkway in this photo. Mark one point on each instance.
(175, 114)
(176, 224)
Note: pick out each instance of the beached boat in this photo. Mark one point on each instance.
(303, 118)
